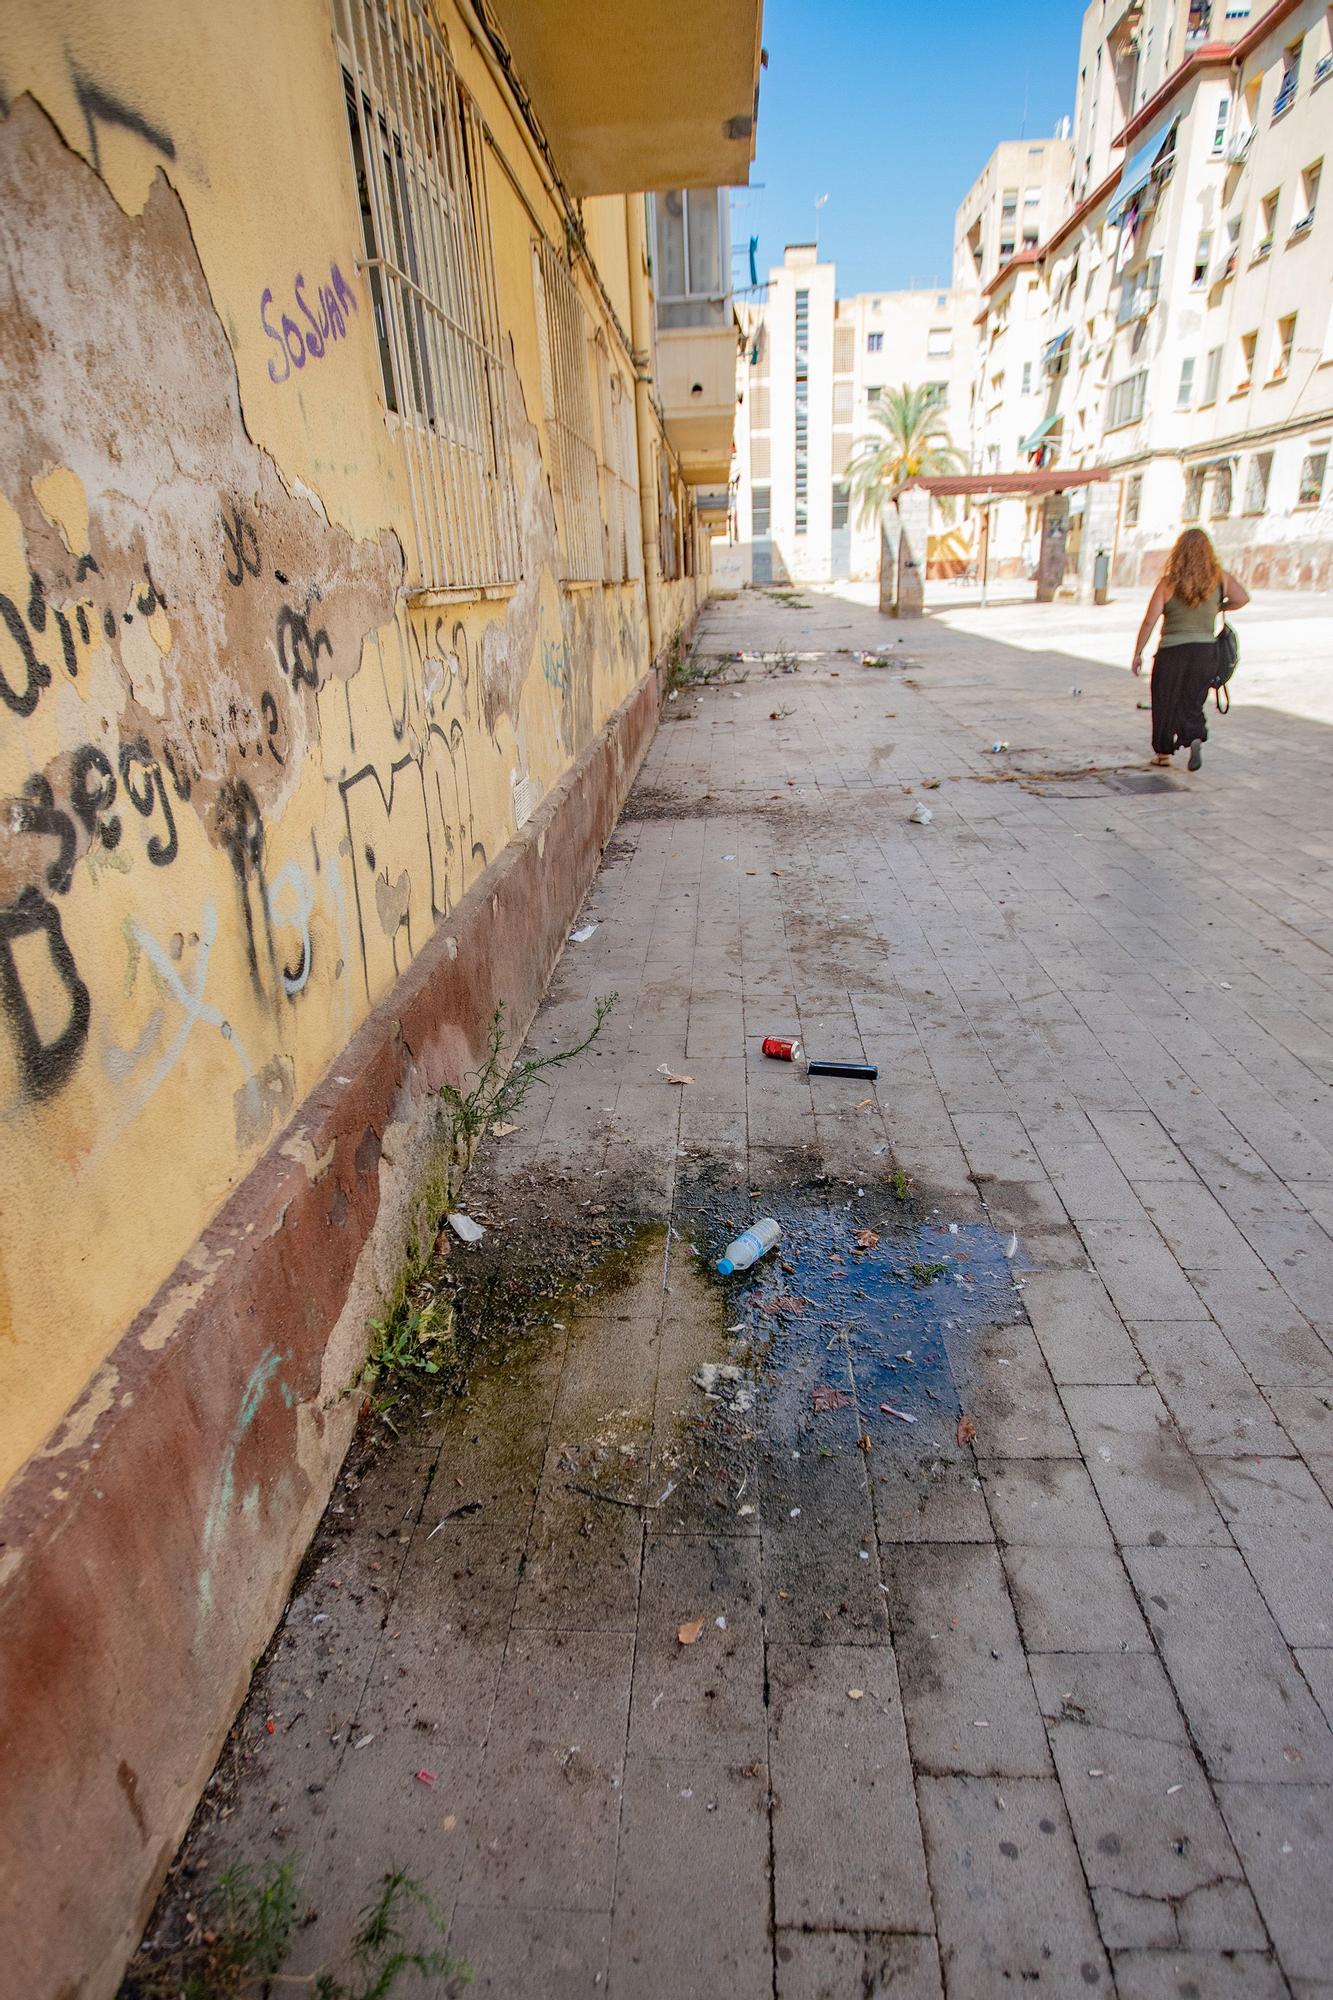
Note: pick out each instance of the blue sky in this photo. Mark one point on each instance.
(891, 108)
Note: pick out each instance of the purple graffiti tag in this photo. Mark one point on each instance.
(325, 316)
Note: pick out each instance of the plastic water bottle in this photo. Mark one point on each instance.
(749, 1247)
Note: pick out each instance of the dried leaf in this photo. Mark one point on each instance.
(863, 1443)
(866, 1239)
(781, 1302)
(501, 1131)
(967, 1430)
(864, 1104)
(680, 1079)
(691, 1630)
(826, 1398)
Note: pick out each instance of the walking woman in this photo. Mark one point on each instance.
(1191, 593)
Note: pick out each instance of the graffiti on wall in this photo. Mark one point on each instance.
(306, 331)
(172, 617)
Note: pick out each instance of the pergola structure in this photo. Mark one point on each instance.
(904, 535)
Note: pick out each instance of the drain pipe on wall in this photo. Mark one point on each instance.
(641, 335)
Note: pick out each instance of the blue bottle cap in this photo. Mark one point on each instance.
(725, 1266)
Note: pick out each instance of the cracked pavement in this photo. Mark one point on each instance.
(1051, 1707)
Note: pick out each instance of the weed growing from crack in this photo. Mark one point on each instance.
(900, 1184)
(412, 1340)
(241, 1946)
(926, 1274)
(500, 1092)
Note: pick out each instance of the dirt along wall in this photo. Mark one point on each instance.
(262, 805)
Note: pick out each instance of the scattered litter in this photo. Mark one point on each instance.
(825, 1398)
(665, 1069)
(782, 1048)
(271, 1727)
(794, 1514)
(1011, 1247)
(1225, 984)
(1171, 1790)
(501, 1131)
(856, 1694)
(866, 1239)
(721, 1624)
(362, 1741)
(728, 857)
(864, 1555)
(582, 934)
(725, 1383)
(320, 1618)
(967, 1430)
(464, 1228)
(866, 1072)
(1076, 690)
(930, 784)
(979, 1724)
(690, 1631)
(1095, 1772)
(996, 749)
(752, 1244)
(901, 1415)
(745, 1511)
(921, 815)
(425, 1777)
(864, 1104)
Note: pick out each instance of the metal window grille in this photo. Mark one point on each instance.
(417, 148)
(565, 336)
(620, 486)
(761, 458)
(667, 516)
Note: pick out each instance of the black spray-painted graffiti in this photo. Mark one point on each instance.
(43, 1065)
(336, 300)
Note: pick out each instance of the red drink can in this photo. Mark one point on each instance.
(781, 1048)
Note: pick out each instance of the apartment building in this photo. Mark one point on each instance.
(1006, 402)
(813, 371)
(1016, 199)
(1185, 297)
(333, 588)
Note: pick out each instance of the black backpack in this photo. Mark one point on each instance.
(1227, 648)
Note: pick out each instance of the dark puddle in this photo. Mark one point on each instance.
(859, 1325)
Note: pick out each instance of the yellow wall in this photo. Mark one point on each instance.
(211, 868)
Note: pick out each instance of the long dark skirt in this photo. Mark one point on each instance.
(1181, 678)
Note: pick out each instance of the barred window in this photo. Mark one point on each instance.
(417, 150)
(761, 458)
(564, 336)
(760, 406)
(622, 522)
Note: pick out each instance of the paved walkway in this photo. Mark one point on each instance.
(1048, 1707)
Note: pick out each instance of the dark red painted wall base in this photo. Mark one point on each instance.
(142, 1570)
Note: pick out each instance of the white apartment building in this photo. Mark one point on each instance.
(813, 369)
(1015, 201)
(1185, 298)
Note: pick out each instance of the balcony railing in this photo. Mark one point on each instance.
(1286, 95)
(1323, 69)
(1238, 146)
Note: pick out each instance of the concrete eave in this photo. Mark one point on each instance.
(638, 98)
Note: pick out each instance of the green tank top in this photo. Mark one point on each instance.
(1190, 624)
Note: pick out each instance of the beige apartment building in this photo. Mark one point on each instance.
(1016, 199)
(1184, 301)
(813, 370)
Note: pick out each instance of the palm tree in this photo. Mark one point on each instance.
(911, 441)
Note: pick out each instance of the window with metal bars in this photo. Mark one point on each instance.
(621, 520)
(417, 150)
(564, 337)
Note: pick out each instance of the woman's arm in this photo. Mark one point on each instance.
(1156, 606)
(1234, 594)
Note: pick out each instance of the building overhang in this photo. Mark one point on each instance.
(1213, 55)
(631, 99)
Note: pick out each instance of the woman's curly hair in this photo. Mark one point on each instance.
(1192, 569)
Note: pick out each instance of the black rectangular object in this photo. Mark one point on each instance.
(866, 1071)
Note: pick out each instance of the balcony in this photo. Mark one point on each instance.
(1323, 69)
(696, 378)
(659, 95)
(1286, 95)
(1238, 146)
